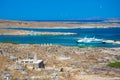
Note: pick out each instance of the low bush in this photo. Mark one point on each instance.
(10, 42)
(114, 64)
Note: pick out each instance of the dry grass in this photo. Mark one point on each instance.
(81, 59)
(4, 63)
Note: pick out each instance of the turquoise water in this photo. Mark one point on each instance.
(67, 40)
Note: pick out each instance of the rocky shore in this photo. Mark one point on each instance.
(76, 63)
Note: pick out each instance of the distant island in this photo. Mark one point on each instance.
(58, 24)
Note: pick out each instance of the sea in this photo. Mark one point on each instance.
(66, 40)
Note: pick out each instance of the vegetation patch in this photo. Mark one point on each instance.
(10, 42)
(114, 64)
(82, 46)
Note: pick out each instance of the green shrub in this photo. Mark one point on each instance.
(81, 46)
(10, 42)
(114, 64)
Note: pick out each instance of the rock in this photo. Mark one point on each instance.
(100, 60)
(82, 73)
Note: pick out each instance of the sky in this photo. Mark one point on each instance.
(59, 9)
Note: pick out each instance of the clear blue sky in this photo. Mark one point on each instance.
(58, 9)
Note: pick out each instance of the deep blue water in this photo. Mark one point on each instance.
(67, 40)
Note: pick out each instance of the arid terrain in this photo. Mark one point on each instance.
(76, 63)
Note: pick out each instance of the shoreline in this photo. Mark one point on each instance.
(5, 31)
(24, 32)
